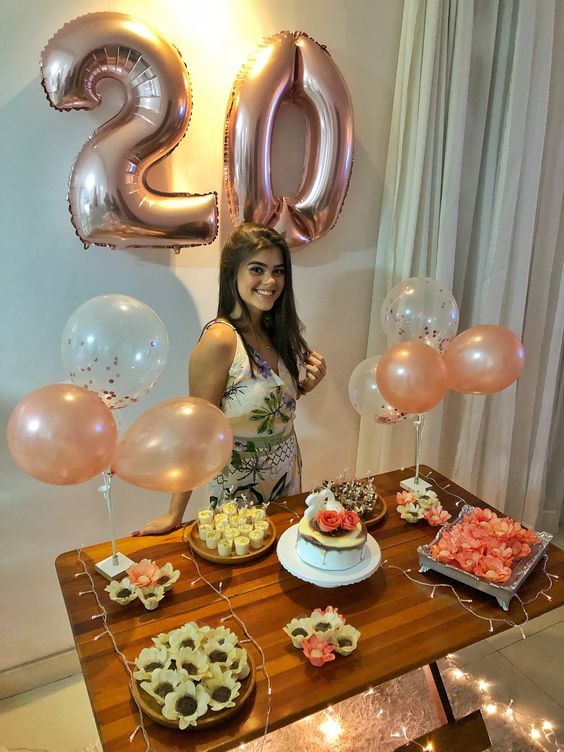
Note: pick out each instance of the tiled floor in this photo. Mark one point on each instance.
(57, 717)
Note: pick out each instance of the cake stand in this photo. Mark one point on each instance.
(288, 556)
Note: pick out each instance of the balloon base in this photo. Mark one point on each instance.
(109, 570)
(415, 486)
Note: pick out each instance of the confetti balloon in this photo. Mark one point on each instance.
(115, 346)
(366, 397)
(422, 310)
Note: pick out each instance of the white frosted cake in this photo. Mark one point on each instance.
(330, 537)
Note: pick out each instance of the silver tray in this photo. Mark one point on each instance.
(502, 593)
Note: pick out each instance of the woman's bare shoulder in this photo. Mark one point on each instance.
(218, 342)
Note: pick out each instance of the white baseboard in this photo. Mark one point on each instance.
(51, 668)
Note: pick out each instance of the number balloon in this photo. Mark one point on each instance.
(289, 67)
(110, 201)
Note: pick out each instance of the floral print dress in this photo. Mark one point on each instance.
(260, 406)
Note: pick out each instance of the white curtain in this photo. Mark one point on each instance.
(473, 197)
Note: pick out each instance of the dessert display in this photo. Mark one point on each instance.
(232, 533)
(359, 496)
(145, 581)
(322, 634)
(329, 536)
(193, 676)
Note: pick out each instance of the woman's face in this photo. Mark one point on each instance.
(260, 279)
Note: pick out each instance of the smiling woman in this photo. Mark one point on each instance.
(247, 363)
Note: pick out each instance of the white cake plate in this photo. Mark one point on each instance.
(290, 560)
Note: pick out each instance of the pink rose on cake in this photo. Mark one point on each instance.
(329, 520)
(350, 520)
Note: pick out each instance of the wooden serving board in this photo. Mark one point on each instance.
(152, 709)
(199, 547)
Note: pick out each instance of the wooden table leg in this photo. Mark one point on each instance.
(468, 733)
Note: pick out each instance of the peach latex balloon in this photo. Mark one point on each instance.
(175, 446)
(483, 360)
(62, 434)
(412, 377)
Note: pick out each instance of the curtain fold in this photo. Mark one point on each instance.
(472, 198)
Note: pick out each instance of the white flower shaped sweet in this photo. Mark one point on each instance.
(150, 659)
(410, 512)
(298, 629)
(150, 596)
(187, 636)
(162, 682)
(222, 655)
(344, 638)
(168, 576)
(222, 689)
(186, 703)
(240, 664)
(162, 640)
(223, 635)
(428, 499)
(194, 662)
(324, 622)
(121, 592)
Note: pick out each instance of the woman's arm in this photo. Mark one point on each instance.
(208, 371)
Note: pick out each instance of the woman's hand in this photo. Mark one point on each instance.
(315, 370)
(160, 525)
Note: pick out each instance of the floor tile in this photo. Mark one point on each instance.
(62, 718)
(541, 658)
(508, 683)
(510, 636)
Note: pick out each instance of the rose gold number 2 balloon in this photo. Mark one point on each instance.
(110, 201)
(289, 67)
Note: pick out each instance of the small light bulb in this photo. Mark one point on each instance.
(547, 726)
(483, 685)
(331, 728)
(509, 713)
(491, 708)
(535, 733)
(458, 674)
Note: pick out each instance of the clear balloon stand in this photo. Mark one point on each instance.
(415, 484)
(117, 563)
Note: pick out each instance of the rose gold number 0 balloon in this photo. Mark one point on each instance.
(289, 67)
(110, 201)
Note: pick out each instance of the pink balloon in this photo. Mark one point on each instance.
(110, 200)
(175, 446)
(483, 360)
(289, 67)
(62, 434)
(412, 377)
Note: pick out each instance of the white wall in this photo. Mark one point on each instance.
(46, 274)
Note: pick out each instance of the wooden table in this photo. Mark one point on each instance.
(402, 627)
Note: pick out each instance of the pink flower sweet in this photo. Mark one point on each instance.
(405, 497)
(144, 573)
(350, 520)
(436, 515)
(318, 651)
(328, 610)
(492, 569)
(329, 520)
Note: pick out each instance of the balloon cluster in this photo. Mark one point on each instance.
(420, 319)
(114, 349)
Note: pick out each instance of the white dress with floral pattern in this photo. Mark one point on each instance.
(260, 406)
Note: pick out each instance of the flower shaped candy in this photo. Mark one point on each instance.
(344, 639)
(150, 659)
(223, 636)
(143, 573)
(150, 596)
(240, 664)
(436, 515)
(163, 681)
(222, 688)
(194, 662)
(298, 629)
(323, 621)
(222, 655)
(410, 512)
(168, 576)
(318, 651)
(187, 636)
(121, 592)
(185, 704)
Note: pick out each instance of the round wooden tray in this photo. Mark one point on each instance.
(202, 550)
(152, 709)
(379, 513)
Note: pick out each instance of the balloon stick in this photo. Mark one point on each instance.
(419, 424)
(117, 563)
